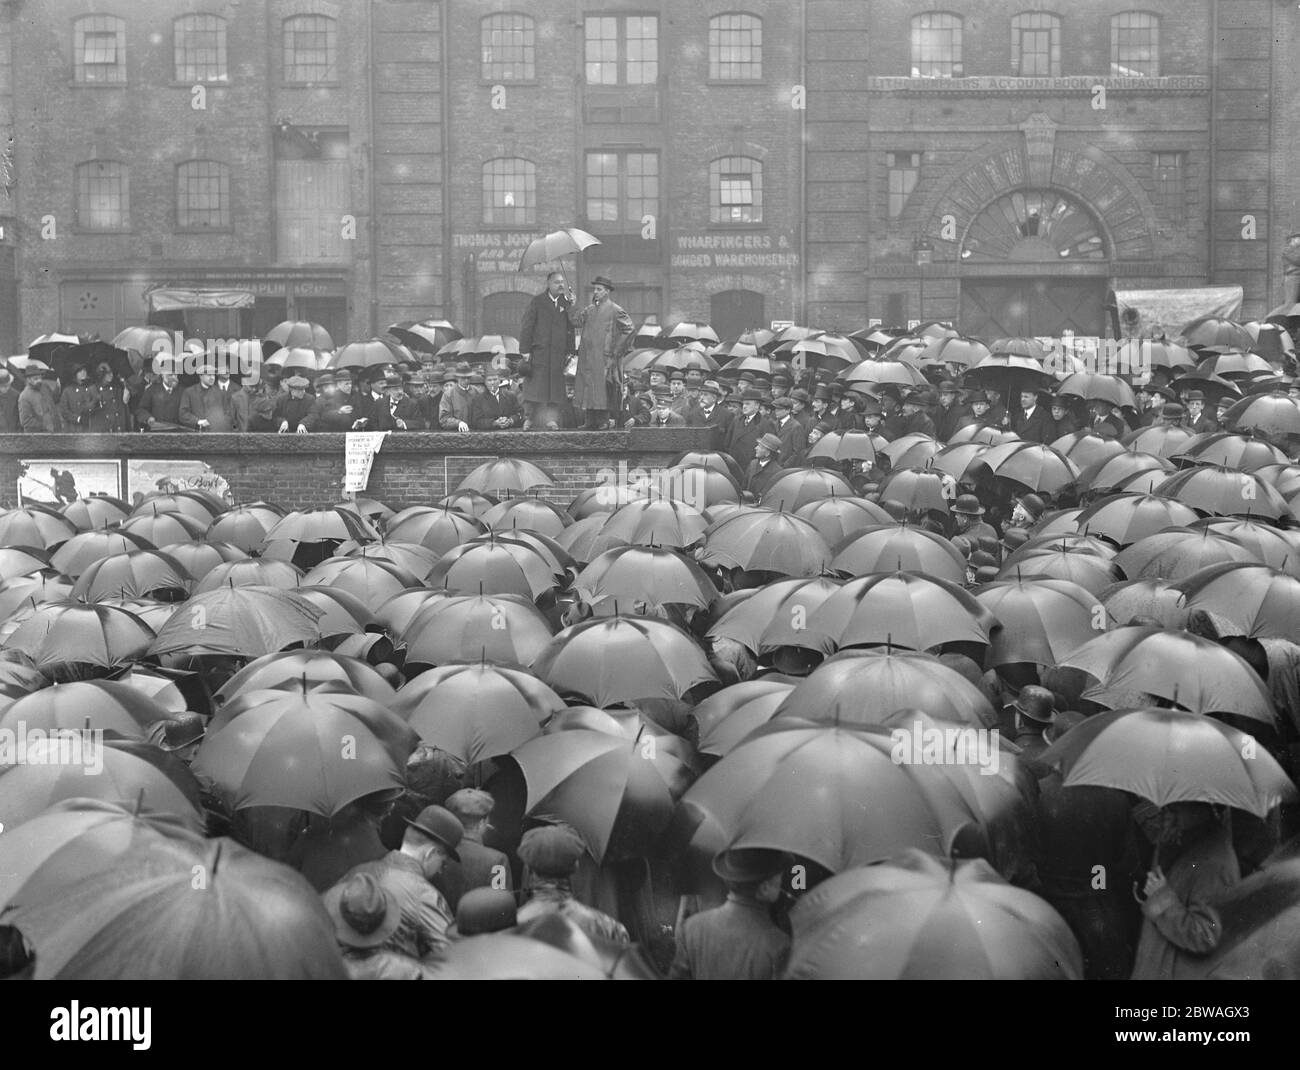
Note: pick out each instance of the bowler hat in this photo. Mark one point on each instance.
(749, 865)
(1062, 723)
(552, 850)
(393, 380)
(782, 403)
(822, 393)
(1193, 395)
(732, 399)
(440, 824)
(982, 559)
(602, 280)
(484, 910)
(1034, 505)
(662, 393)
(463, 370)
(778, 377)
(324, 377)
(947, 387)
(924, 398)
(364, 912)
(677, 375)
(1036, 703)
(711, 388)
(769, 441)
(967, 505)
(986, 574)
(751, 395)
(1172, 408)
(343, 375)
(800, 394)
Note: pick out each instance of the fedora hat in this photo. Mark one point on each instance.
(749, 865)
(968, 505)
(364, 912)
(440, 825)
(771, 442)
(602, 280)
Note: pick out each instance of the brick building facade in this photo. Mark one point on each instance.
(998, 162)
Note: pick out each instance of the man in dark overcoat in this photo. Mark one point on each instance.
(546, 339)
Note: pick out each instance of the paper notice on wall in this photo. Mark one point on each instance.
(360, 455)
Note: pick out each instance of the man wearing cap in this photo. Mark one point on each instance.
(968, 518)
(793, 436)
(429, 841)
(916, 412)
(764, 469)
(293, 414)
(1197, 421)
(546, 339)
(429, 397)
(780, 385)
(160, 404)
(800, 411)
(1027, 509)
(737, 941)
(495, 409)
(1221, 408)
(551, 854)
(205, 406)
(712, 413)
(1035, 708)
(9, 420)
(747, 430)
(663, 414)
(456, 405)
(337, 411)
(1031, 422)
(951, 414)
(680, 401)
(480, 866)
(367, 918)
(606, 331)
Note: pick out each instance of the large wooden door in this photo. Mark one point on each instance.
(1017, 307)
(733, 312)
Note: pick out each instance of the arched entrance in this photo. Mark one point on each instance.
(733, 312)
(1033, 263)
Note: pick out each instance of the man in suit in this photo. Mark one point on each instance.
(794, 439)
(681, 401)
(737, 941)
(764, 469)
(663, 414)
(9, 423)
(713, 414)
(394, 411)
(495, 409)
(1032, 422)
(1105, 420)
(205, 406)
(747, 430)
(480, 866)
(1062, 422)
(337, 411)
(951, 413)
(606, 331)
(160, 403)
(1197, 421)
(37, 412)
(293, 414)
(454, 407)
(546, 339)
(968, 519)
(800, 412)
(916, 412)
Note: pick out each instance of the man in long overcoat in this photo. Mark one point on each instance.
(546, 340)
(606, 331)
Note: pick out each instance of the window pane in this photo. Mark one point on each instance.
(202, 195)
(735, 190)
(200, 47)
(509, 48)
(936, 46)
(509, 191)
(642, 185)
(99, 49)
(904, 170)
(642, 50)
(310, 49)
(102, 196)
(1135, 44)
(735, 48)
(602, 186)
(602, 50)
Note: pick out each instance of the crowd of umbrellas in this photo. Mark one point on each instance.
(675, 671)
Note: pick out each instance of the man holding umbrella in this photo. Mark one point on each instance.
(546, 340)
(606, 330)
(1032, 422)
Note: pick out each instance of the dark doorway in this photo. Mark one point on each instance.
(733, 312)
(1010, 308)
(504, 312)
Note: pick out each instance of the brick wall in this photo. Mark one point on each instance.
(304, 471)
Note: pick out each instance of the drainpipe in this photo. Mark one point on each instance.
(444, 129)
(1212, 266)
(372, 176)
(803, 165)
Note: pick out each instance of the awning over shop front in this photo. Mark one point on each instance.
(1167, 311)
(172, 299)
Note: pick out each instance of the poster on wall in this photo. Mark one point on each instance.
(147, 475)
(58, 481)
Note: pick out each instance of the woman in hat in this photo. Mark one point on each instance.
(606, 331)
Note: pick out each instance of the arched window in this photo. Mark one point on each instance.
(509, 191)
(936, 45)
(735, 48)
(203, 195)
(200, 48)
(99, 49)
(1135, 45)
(509, 48)
(310, 49)
(735, 190)
(1035, 45)
(103, 196)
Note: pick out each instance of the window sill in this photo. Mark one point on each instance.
(506, 228)
(98, 85)
(220, 83)
(92, 231)
(739, 83)
(509, 82)
(335, 84)
(203, 230)
(760, 225)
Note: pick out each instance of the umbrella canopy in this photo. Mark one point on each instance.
(140, 919)
(653, 576)
(315, 749)
(300, 360)
(685, 331)
(1059, 561)
(862, 687)
(838, 518)
(1149, 353)
(1110, 472)
(870, 374)
(291, 668)
(1225, 492)
(1083, 448)
(558, 243)
(1094, 387)
(1267, 545)
(828, 793)
(1009, 372)
(1260, 602)
(701, 487)
(912, 450)
(125, 771)
(796, 487)
(88, 704)
(955, 349)
(907, 609)
(1171, 756)
(1042, 620)
(292, 333)
(922, 918)
(1126, 518)
(1195, 673)
(502, 628)
(1160, 599)
(134, 574)
(438, 529)
(1241, 452)
(656, 522)
(527, 514)
(19, 561)
(251, 572)
(245, 526)
(371, 354)
(766, 541)
(729, 716)
(1162, 440)
(427, 336)
(98, 511)
(777, 615)
(838, 446)
(1272, 414)
(372, 579)
(614, 660)
(1179, 552)
(829, 352)
(74, 556)
(63, 639)
(28, 592)
(198, 557)
(505, 474)
(618, 793)
(1215, 333)
(898, 547)
(239, 621)
(34, 525)
(497, 566)
(476, 711)
(920, 490)
(1030, 464)
(322, 525)
(412, 557)
(1234, 364)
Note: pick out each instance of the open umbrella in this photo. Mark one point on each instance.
(907, 609)
(1030, 464)
(553, 247)
(1171, 756)
(729, 716)
(1240, 451)
(98, 511)
(428, 336)
(1094, 387)
(1083, 448)
(86, 705)
(372, 579)
(766, 541)
(198, 557)
(133, 574)
(777, 615)
(913, 449)
(796, 487)
(495, 566)
(502, 628)
(1275, 414)
(251, 572)
(859, 687)
(918, 917)
(34, 525)
(1225, 492)
(1177, 553)
(1268, 545)
(1042, 619)
(373, 353)
(838, 518)
(141, 919)
(527, 514)
(19, 561)
(897, 547)
(1234, 365)
(245, 526)
(32, 591)
(292, 333)
(315, 749)
(290, 668)
(837, 446)
(505, 474)
(955, 349)
(656, 522)
(1162, 440)
(476, 710)
(872, 374)
(1059, 561)
(1216, 334)
(698, 486)
(1195, 673)
(322, 525)
(1160, 599)
(1126, 518)
(67, 639)
(1109, 472)
(300, 360)
(239, 621)
(1260, 601)
(618, 793)
(649, 575)
(80, 552)
(920, 490)
(611, 660)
